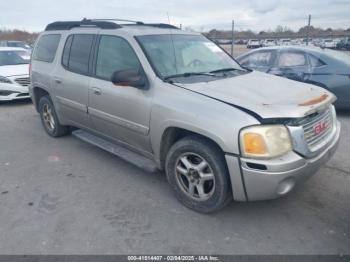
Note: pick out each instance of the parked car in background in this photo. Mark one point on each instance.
(24, 53)
(175, 101)
(253, 43)
(14, 74)
(20, 44)
(269, 42)
(344, 44)
(328, 43)
(284, 42)
(322, 67)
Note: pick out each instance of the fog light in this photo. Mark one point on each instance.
(286, 186)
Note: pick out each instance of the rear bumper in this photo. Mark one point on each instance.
(279, 176)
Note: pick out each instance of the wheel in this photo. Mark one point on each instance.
(197, 171)
(49, 118)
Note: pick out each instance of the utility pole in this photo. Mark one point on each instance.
(232, 37)
(308, 31)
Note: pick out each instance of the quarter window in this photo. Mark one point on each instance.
(291, 59)
(114, 54)
(46, 48)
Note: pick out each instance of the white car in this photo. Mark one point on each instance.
(285, 42)
(328, 43)
(269, 42)
(14, 75)
(253, 43)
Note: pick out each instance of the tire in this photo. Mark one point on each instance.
(49, 118)
(210, 189)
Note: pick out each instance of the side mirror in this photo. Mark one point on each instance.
(129, 77)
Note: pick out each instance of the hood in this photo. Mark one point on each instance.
(265, 95)
(14, 70)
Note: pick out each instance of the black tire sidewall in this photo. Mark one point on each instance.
(43, 101)
(215, 159)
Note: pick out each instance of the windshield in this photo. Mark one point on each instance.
(11, 58)
(180, 54)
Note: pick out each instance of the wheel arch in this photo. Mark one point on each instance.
(38, 93)
(172, 134)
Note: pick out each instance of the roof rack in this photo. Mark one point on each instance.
(67, 25)
(101, 23)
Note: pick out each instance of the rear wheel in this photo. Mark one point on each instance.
(49, 118)
(197, 171)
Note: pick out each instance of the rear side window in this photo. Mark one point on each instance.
(76, 53)
(291, 59)
(65, 56)
(46, 48)
(315, 62)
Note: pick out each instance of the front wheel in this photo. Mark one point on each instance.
(196, 169)
(49, 118)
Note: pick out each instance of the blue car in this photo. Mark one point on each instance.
(322, 67)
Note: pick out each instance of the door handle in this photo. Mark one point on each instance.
(96, 91)
(57, 80)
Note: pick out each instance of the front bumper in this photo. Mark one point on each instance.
(19, 91)
(280, 176)
(15, 96)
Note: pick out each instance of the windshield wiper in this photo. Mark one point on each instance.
(188, 74)
(225, 70)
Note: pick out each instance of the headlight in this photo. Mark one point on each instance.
(5, 80)
(266, 141)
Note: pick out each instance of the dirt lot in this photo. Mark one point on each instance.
(63, 196)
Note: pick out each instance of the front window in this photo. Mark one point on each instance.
(180, 54)
(258, 59)
(115, 54)
(11, 58)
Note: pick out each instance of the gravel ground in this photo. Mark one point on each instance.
(63, 196)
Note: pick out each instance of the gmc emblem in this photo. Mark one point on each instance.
(320, 128)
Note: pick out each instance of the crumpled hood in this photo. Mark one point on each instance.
(14, 70)
(266, 95)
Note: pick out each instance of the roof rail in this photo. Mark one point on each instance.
(67, 25)
(118, 20)
(101, 23)
(161, 25)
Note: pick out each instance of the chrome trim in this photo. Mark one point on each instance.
(23, 81)
(308, 145)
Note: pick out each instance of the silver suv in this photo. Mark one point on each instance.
(172, 100)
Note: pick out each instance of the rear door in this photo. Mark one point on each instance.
(73, 76)
(119, 112)
(293, 65)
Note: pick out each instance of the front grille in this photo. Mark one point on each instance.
(23, 94)
(23, 81)
(317, 127)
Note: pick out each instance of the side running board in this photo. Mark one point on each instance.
(118, 150)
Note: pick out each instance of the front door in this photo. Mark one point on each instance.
(119, 112)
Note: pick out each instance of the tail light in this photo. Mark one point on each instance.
(30, 69)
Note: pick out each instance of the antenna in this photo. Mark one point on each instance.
(172, 41)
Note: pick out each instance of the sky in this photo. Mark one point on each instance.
(200, 15)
